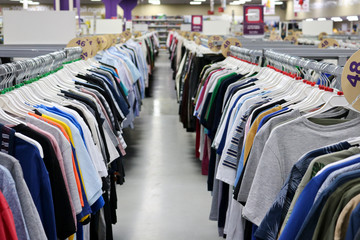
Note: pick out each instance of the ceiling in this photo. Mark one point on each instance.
(3, 3)
(6, 2)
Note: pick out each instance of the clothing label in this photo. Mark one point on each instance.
(349, 80)
(328, 42)
(214, 43)
(225, 46)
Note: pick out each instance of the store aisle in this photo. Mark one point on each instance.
(165, 195)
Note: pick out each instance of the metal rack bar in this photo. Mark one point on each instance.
(304, 63)
(28, 51)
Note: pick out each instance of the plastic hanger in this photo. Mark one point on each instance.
(335, 101)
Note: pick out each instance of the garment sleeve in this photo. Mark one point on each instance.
(266, 185)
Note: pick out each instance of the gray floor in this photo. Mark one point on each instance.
(165, 195)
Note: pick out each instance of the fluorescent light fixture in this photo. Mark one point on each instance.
(199, 0)
(95, 0)
(309, 19)
(321, 19)
(247, 0)
(278, 3)
(154, 2)
(234, 3)
(337, 19)
(353, 18)
(195, 3)
(31, 3)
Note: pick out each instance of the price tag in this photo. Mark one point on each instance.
(198, 39)
(329, 42)
(213, 42)
(350, 80)
(225, 46)
(77, 42)
(193, 34)
(298, 34)
(322, 35)
(103, 42)
(137, 34)
(86, 53)
(291, 38)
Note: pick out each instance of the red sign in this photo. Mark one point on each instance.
(220, 9)
(210, 12)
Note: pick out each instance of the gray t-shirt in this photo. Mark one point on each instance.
(286, 144)
(31, 216)
(8, 189)
(262, 136)
(259, 142)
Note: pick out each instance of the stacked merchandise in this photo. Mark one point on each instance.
(62, 145)
(278, 165)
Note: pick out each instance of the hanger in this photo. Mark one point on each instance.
(334, 101)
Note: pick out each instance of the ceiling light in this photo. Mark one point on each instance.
(337, 19)
(353, 18)
(279, 3)
(199, 0)
(95, 0)
(195, 3)
(234, 3)
(321, 19)
(31, 2)
(154, 2)
(309, 20)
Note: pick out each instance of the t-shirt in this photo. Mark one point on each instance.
(271, 224)
(344, 218)
(325, 227)
(65, 223)
(304, 208)
(281, 152)
(7, 225)
(7, 187)
(258, 146)
(319, 161)
(31, 215)
(354, 224)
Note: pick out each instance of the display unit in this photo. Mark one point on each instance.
(161, 24)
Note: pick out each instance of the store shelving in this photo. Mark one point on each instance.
(161, 24)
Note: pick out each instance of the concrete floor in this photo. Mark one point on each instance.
(165, 195)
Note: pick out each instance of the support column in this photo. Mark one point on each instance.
(128, 6)
(111, 8)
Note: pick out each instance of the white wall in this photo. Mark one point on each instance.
(46, 27)
(316, 27)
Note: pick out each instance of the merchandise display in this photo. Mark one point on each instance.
(165, 119)
(61, 154)
(249, 122)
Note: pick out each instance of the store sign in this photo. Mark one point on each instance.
(269, 7)
(196, 23)
(253, 20)
(301, 6)
(350, 80)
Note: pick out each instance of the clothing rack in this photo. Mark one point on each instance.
(247, 54)
(28, 50)
(16, 72)
(304, 63)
